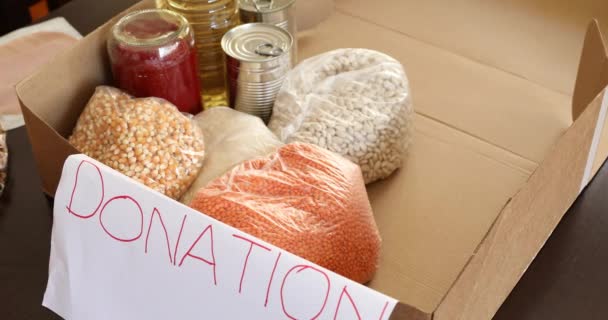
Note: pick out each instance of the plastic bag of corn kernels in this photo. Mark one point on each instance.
(355, 102)
(231, 137)
(146, 139)
(304, 199)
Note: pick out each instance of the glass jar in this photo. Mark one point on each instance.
(210, 20)
(152, 54)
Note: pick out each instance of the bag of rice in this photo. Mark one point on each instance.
(231, 137)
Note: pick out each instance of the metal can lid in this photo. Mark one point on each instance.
(264, 6)
(256, 42)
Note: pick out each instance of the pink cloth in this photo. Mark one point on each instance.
(23, 56)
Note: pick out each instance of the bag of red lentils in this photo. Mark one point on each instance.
(304, 199)
(146, 139)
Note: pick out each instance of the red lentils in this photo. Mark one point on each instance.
(146, 139)
(304, 199)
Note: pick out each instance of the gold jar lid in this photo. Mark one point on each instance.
(151, 27)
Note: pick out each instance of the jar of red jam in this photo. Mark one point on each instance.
(152, 54)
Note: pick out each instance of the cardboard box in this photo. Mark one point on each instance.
(497, 159)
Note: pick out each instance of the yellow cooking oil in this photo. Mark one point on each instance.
(210, 20)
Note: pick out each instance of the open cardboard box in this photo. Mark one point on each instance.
(497, 159)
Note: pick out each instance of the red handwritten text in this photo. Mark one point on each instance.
(155, 212)
(209, 262)
(251, 244)
(299, 269)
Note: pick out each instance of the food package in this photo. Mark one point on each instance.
(355, 102)
(231, 137)
(146, 139)
(304, 199)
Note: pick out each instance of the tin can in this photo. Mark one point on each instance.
(281, 13)
(258, 57)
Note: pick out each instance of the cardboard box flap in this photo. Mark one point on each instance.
(50, 165)
(524, 225)
(405, 312)
(536, 40)
(53, 98)
(592, 74)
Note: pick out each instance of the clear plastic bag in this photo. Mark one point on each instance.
(355, 102)
(304, 199)
(146, 139)
(231, 137)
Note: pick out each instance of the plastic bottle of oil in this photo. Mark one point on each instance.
(210, 20)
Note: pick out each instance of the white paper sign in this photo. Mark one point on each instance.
(122, 251)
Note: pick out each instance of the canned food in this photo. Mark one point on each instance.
(281, 13)
(258, 57)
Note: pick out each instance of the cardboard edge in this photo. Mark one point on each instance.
(38, 130)
(589, 93)
(478, 248)
(592, 74)
(406, 312)
(524, 225)
(597, 151)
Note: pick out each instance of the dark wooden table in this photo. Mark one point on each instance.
(568, 280)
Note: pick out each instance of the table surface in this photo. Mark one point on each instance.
(567, 280)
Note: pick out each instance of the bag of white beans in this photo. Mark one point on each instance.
(355, 102)
(231, 137)
(146, 139)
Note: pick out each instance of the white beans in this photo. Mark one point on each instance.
(355, 102)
